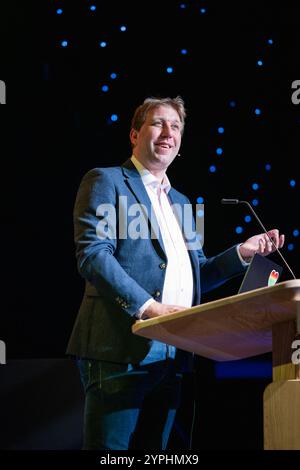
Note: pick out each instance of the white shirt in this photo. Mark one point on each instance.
(178, 285)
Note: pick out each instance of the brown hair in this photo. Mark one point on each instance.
(141, 111)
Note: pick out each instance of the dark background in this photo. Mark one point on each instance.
(56, 125)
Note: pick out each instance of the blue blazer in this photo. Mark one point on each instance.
(122, 273)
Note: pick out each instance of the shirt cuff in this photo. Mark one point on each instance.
(244, 263)
(143, 308)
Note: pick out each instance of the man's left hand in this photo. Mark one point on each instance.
(261, 244)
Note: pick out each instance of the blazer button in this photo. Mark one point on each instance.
(156, 293)
(162, 265)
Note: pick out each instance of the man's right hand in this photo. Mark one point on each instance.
(156, 310)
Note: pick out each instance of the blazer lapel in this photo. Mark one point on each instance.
(135, 184)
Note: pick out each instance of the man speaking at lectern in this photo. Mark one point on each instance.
(132, 384)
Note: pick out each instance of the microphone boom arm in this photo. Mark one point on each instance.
(237, 201)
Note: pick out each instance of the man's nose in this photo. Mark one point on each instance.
(167, 129)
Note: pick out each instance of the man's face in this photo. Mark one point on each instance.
(158, 141)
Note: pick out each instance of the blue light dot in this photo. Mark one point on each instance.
(59, 11)
(93, 7)
(182, 5)
(268, 167)
(257, 111)
(247, 218)
(255, 202)
(114, 117)
(170, 69)
(232, 104)
(239, 229)
(113, 75)
(219, 151)
(123, 28)
(200, 213)
(212, 168)
(255, 186)
(183, 51)
(103, 44)
(270, 41)
(290, 246)
(296, 232)
(64, 43)
(104, 88)
(221, 130)
(202, 10)
(292, 183)
(260, 63)
(200, 200)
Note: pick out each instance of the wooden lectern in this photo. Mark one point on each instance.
(245, 325)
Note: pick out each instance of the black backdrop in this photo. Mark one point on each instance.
(55, 126)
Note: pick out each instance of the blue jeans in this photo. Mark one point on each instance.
(129, 406)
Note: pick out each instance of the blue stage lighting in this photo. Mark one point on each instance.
(182, 5)
(170, 69)
(114, 117)
(219, 151)
(255, 186)
(212, 168)
(239, 229)
(247, 218)
(270, 41)
(59, 11)
(232, 104)
(123, 28)
(292, 183)
(104, 88)
(255, 202)
(103, 44)
(296, 232)
(268, 167)
(64, 43)
(93, 7)
(202, 10)
(260, 63)
(290, 246)
(221, 130)
(200, 200)
(244, 368)
(113, 75)
(183, 51)
(257, 111)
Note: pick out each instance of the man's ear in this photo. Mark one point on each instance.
(133, 136)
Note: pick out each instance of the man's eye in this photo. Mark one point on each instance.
(157, 123)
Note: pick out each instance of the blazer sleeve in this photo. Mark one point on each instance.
(218, 269)
(95, 254)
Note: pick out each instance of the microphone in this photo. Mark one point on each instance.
(237, 201)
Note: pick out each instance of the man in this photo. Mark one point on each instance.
(132, 384)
